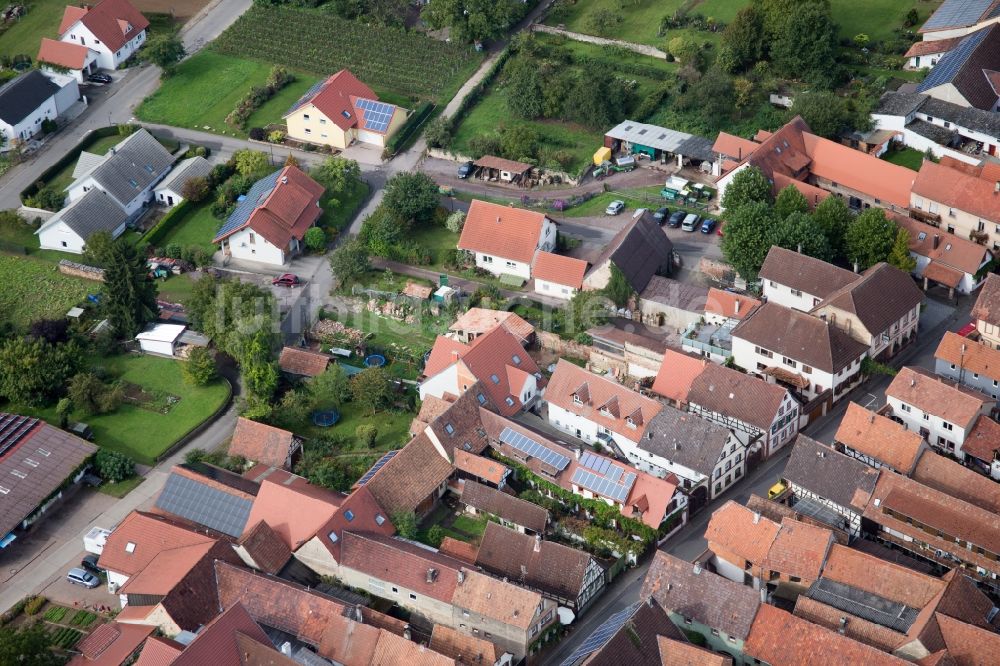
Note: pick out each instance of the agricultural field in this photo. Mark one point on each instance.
(556, 135)
(160, 409)
(390, 60)
(35, 289)
(217, 82)
(640, 21)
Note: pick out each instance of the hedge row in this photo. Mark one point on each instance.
(69, 158)
(479, 90)
(158, 231)
(409, 130)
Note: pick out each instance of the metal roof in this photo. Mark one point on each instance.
(662, 138)
(161, 332)
(956, 14)
(255, 197)
(204, 504)
(952, 63)
(865, 605)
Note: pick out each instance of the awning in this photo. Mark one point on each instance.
(787, 377)
(7, 540)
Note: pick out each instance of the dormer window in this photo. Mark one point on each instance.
(629, 422)
(576, 399)
(606, 412)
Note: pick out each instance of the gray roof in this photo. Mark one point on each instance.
(899, 103)
(685, 439)
(35, 460)
(21, 96)
(800, 271)
(86, 163)
(939, 135)
(882, 296)
(707, 598)
(627, 637)
(193, 167)
(662, 138)
(831, 475)
(956, 14)
(513, 509)
(971, 118)
(133, 165)
(94, 211)
(681, 295)
(640, 251)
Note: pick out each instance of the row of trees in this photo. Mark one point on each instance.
(755, 221)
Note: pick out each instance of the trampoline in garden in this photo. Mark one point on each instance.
(374, 361)
(325, 418)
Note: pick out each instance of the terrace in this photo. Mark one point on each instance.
(711, 339)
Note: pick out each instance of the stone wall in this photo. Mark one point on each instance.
(554, 343)
(81, 270)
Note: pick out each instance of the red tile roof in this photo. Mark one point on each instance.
(480, 467)
(63, 54)
(111, 644)
(735, 529)
(933, 46)
(166, 570)
(216, 643)
(781, 639)
(987, 306)
(676, 653)
(460, 550)
(391, 650)
(410, 477)
(158, 651)
(491, 355)
(677, 372)
(114, 22)
(303, 362)
(261, 443)
(140, 538)
(294, 513)
(799, 549)
(477, 321)
(733, 146)
(559, 269)
(879, 437)
(938, 396)
(598, 393)
(502, 231)
(444, 352)
(365, 515)
(968, 355)
(287, 211)
(955, 189)
(968, 645)
(336, 97)
(462, 647)
(403, 563)
(728, 304)
(814, 195)
(268, 550)
(950, 251)
(500, 164)
(955, 479)
(496, 599)
(884, 579)
(509, 507)
(737, 395)
(983, 441)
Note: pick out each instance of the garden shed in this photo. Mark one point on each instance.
(169, 340)
(494, 168)
(658, 143)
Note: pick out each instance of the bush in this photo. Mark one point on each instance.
(366, 434)
(455, 221)
(92, 396)
(257, 133)
(315, 239)
(196, 189)
(199, 368)
(113, 466)
(435, 535)
(277, 136)
(34, 604)
(173, 250)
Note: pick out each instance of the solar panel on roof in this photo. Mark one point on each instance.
(604, 486)
(601, 635)
(246, 206)
(205, 505)
(13, 427)
(379, 464)
(957, 13)
(377, 115)
(532, 448)
(951, 64)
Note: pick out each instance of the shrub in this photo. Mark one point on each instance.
(199, 368)
(455, 221)
(366, 434)
(435, 535)
(113, 466)
(257, 133)
(34, 604)
(315, 239)
(277, 136)
(196, 189)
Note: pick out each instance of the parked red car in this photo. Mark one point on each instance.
(287, 280)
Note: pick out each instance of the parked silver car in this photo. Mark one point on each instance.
(78, 576)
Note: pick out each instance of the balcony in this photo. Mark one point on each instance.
(710, 338)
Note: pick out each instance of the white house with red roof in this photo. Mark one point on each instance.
(113, 29)
(341, 110)
(505, 239)
(557, 276)
(509, 376)
(268, 224)
(76, 60)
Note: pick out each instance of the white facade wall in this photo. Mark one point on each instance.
(250, 246)
(69, 91)
(60, 237)
(723, 182)
(554, 289)
(83, 185)
(918, 142)
(167, 197)
(968, 284)
(501, 266)
(746, 355)
(445, 381)
(937, 431)
(781, 294)
(31, 124)
(78, 33)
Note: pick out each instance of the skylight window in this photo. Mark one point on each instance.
(333, 537)
(449, 428)
(130, 547)
(510, 401)
(517, 359)
(379, 519)
(19, 474)
(4, 490)
(481, 398)
(349, 515)
(346, 114)
(922, 235)
(44, 452)
(149, 168)
(494, 379)
(467, 446)
(133, 182)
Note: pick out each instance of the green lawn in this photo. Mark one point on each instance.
(176, 288)
(640, 21)
(393, 428)
(906, 157)
(25, 36)
(645, 197)
(196, 227)
(64, 178)
(473, 525)
(391, 333)
(207, 87)
(339, 215)
(122, 488)
(141, 433)
(33, 289)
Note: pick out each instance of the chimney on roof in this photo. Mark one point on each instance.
(578, 451)
(284, 180)
(871, 418)
(406, 632)
(432, 575)
(677, 446)
(461, 576)
(358, 617)
(799, 248)
(856, 267)
(756, 517)
(697, 569)
(996, 187)
(498, 219)
(843, 625)
(538, 543)
(913, 382)
(821, 454)
(736, 308)
(937, 240)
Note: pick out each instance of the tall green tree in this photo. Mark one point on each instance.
(164, 50)
(899, 255)
(199, 367)
(834, 217)
(329, 389)
(870, 238)
(128, 298)
(411, 195)
(337, 174)
(97, 250)
(805, 46)
(749, 186)
(749, 233)
(34, 372)
(251, 162)
(29, 645)
(372, 389)
(800, 232)
(742, 41)
(523, 87)
(350, 260)
(790, 200)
